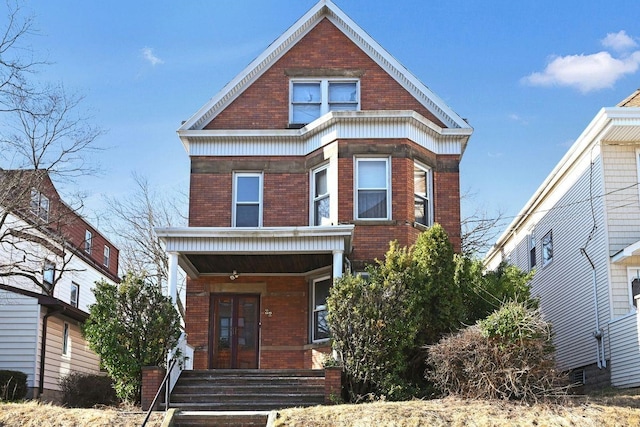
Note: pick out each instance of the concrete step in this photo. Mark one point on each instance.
(220, 418)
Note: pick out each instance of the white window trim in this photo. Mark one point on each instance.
(38, 210)
(88, 241)
(429, 172)
(632, 273)
(638, 167)
(312, 192)
(66, 333)
(49, 266)
(546, 262)
(106, 256)
(324, 93)
(314, 309)
(355, 187)
(532, 244)
(77, 288)
(260, 195)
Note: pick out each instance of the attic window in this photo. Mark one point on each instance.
(39, 204)
(311, 99)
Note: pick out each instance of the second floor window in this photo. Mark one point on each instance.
(547, 248)
(372, 188)
(532, 250)
(321, 199)
(88, 241)
(74, 295)
(311, 99)
(39, 205)
(247, 200)
(48, 273)
(421, 193)
(107, 256)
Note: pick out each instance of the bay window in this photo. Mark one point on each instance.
(422, 194)
(321, 200)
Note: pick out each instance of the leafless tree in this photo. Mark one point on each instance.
(133, 222)
(479, 230)
(43, 136)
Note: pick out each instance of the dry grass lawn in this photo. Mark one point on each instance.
(619, 408)
(615, 409)
(34, 414)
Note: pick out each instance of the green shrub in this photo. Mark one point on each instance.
(13, 385)
(80, 390)
(509, 355)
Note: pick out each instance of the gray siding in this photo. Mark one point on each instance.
(625, 355)
(19, 317)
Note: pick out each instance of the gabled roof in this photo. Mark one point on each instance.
(632, 100)
(324, 9)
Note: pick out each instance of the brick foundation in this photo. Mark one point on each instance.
(332, 385)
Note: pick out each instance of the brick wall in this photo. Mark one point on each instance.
(265, 104)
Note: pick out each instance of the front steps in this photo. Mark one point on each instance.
(241, 397)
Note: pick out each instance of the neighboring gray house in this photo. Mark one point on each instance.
(580, 231)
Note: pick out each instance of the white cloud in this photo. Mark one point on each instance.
(585, 72)
(619, 41)
(517, 118)
(148, 54)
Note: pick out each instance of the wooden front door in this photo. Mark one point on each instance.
(234, 334)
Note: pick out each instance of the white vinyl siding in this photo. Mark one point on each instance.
(19, 317)
(625, 357)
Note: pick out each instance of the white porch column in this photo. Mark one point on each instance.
(173, 276)
(337, 264)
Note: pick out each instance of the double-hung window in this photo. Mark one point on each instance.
(532, 250)
(547, 249)
(321, 199)
(311, 99)
(74, 295)
(88, 241)
(39, 204)
(247, 199)
(48, 273)
(320, 293)
(65, 339)
(372, 188)
(107, 256)
(422, 194)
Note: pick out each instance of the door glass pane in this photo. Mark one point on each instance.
(223, 333)
(247, 332)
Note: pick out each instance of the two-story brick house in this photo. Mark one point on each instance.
(305, 165)
(50, 258)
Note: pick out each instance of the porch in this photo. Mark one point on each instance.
(255, 297)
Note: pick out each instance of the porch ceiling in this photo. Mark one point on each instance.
(258, 264)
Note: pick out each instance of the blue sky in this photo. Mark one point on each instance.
(528, 75)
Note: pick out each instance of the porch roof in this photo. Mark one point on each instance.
(261, 250)
(629, 251)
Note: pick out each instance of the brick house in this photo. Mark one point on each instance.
(50, 258)
(304, 166)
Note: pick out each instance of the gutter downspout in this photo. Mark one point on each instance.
(598, 333)
(43, 350)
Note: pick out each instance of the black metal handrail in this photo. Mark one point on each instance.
(164, 382)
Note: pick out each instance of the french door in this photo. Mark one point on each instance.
(234, 333)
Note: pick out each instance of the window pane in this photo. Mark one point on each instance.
(635, 290)
(247, 215)
(420, 209)
(322, 211)
(321, 327)
(372, 204)
(372, 174)
(321, 292)
(547, 249)
(321, 183)
(306, 92)
(248, 189)
(342, 92)
(304, 113)
(74, 295)
(420, 182)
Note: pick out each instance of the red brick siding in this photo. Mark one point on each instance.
(152, 377)
(286, 199)
(210, 198)
(265, 104)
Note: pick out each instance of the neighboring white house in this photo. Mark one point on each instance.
(581, 233)
(30, 316)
